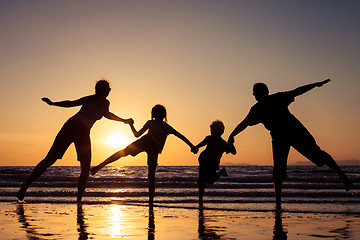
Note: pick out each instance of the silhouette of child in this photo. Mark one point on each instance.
(209, 159)
(152, 143)
(76, 130)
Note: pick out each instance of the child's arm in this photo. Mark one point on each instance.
(66, 103)
(201, 144)
(141, 131)
(109, 160)
(182, 137)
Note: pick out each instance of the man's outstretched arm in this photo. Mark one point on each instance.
(303, 89)
(238, 129)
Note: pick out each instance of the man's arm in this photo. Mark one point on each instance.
(238, 129)
(303, 89)
(66, 103)
(232, 148)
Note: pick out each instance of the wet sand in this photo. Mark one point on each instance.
(116, 221)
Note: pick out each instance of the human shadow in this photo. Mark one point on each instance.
(82, 225)
(151, 227)
(279, 232)
(205, 232)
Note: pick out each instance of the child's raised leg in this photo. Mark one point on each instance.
(112, 158)
(217, 175)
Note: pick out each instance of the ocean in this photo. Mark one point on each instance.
(309, 189)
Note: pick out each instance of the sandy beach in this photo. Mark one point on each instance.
(116, 221)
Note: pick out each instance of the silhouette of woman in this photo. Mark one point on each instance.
(76, 130)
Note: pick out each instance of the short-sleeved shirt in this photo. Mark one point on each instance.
(158, 132)
(274, 114)
(215, 147)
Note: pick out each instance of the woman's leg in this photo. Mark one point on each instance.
(36, 173)
(62, 141)
(84, 176)
(83, 150)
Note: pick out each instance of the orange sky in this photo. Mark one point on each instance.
(198, 58)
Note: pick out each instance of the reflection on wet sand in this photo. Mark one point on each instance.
(31, 230)
(151, 227)
(60, 221)
(204, 231)
(280, 232)
(82, 226)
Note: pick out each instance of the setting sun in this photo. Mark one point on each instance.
(117, 140)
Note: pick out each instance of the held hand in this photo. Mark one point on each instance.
(48, 101)
(194, 149)
(231, 140)
(323, 82)
(129, 121)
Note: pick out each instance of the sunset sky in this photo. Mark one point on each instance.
(197, 58)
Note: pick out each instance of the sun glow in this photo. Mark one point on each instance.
(117, 140)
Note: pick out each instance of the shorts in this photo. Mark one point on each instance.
(144, 144)
(304, 143)
(72, 132)
(207, 171)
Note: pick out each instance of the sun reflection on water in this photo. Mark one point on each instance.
(116, 216)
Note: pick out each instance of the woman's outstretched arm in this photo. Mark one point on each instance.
(112, 116)
(65, 103)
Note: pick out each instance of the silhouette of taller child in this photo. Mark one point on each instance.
(76, 130)
(286, 131)
(152, 143)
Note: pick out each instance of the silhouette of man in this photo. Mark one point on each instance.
(286, 131)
